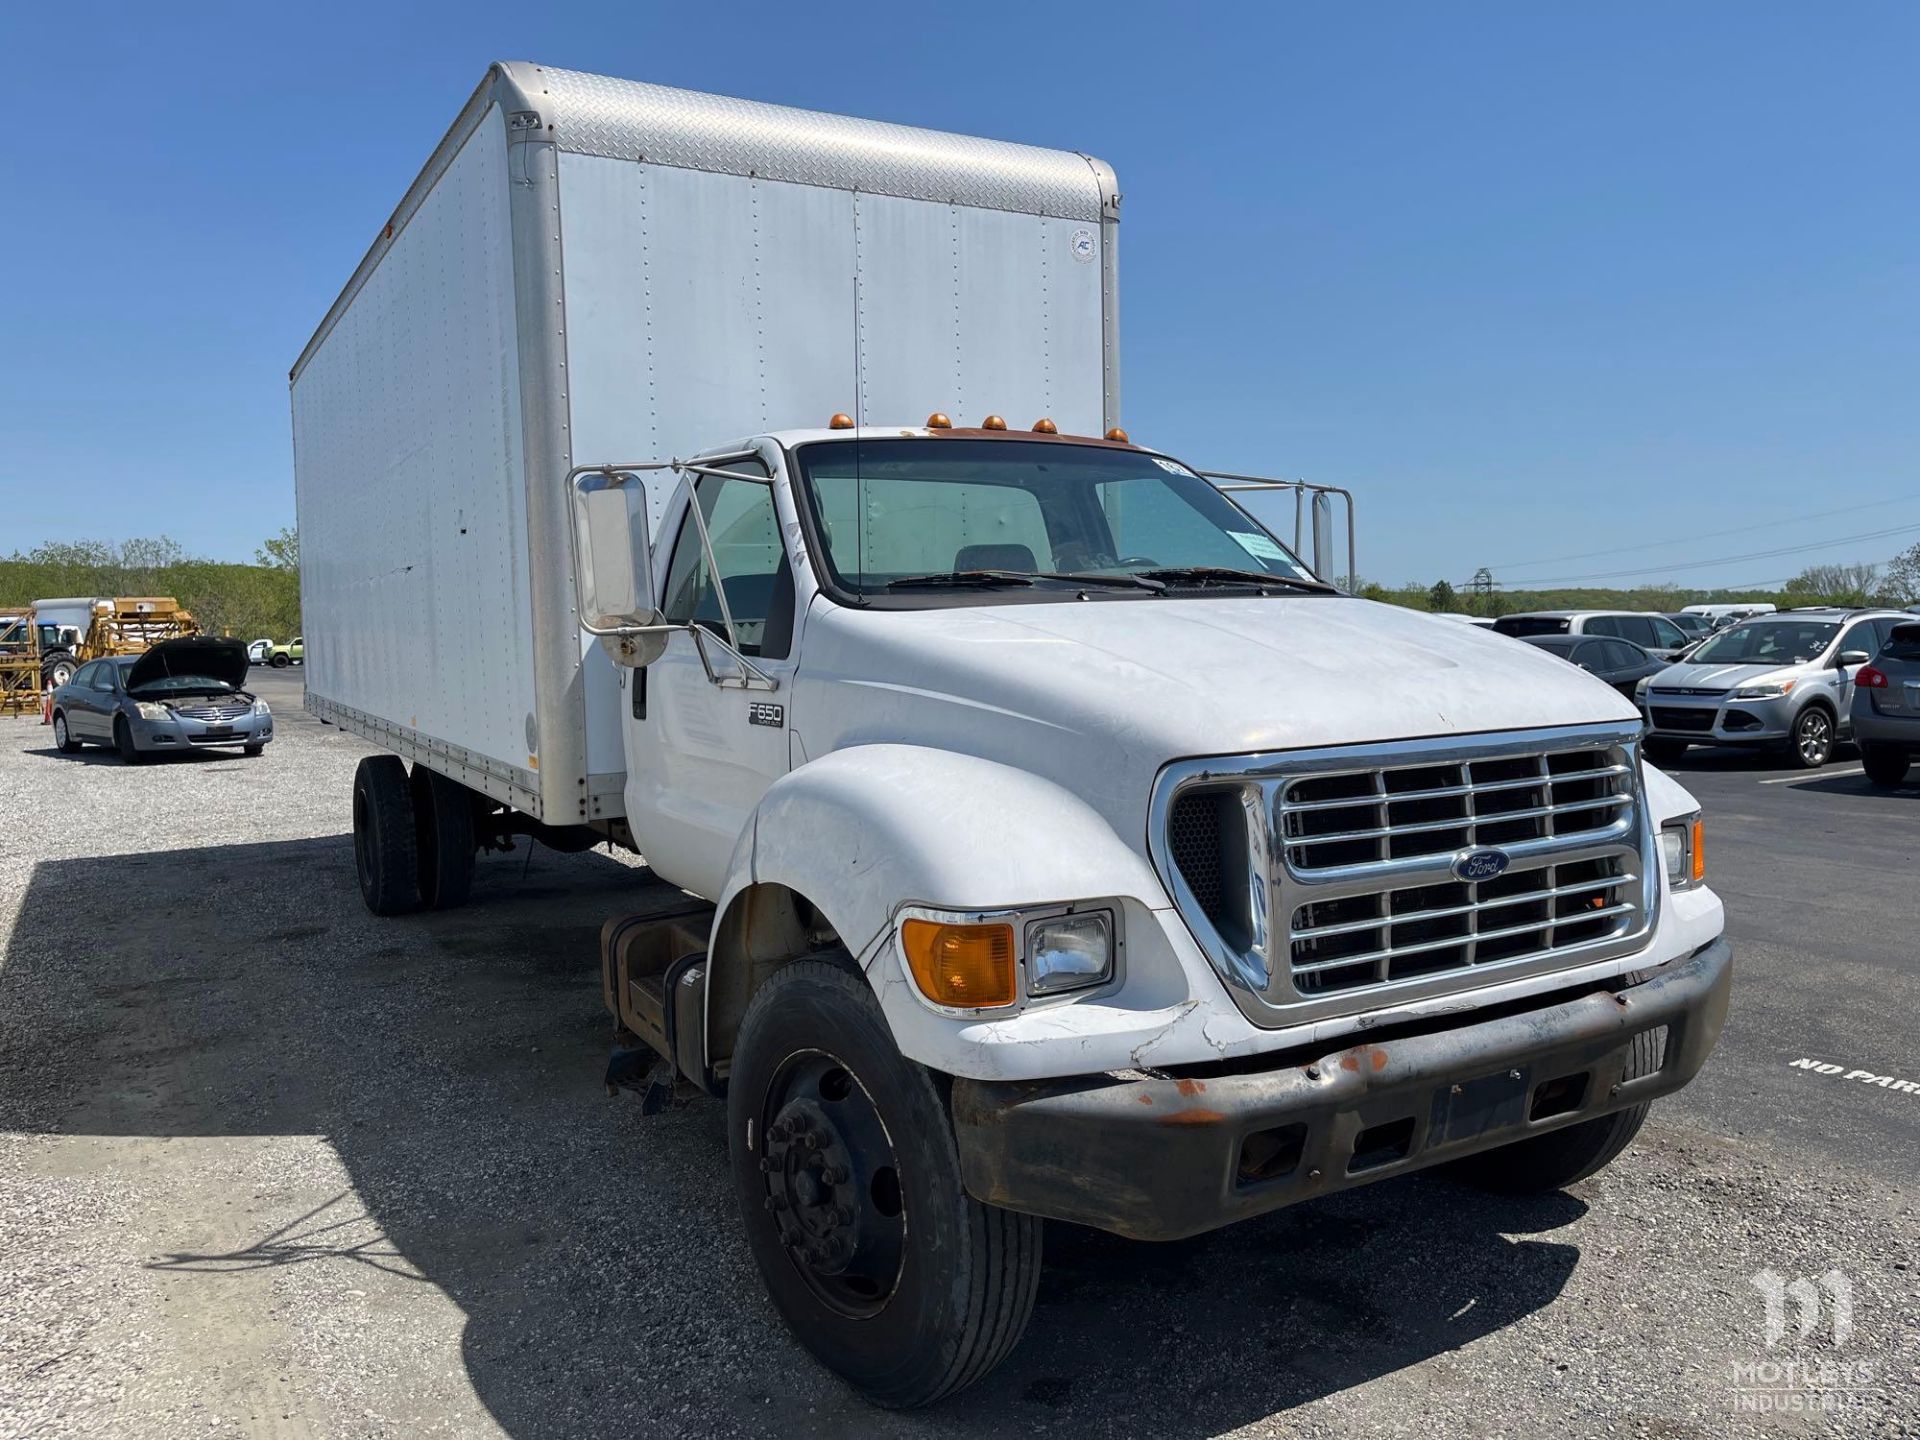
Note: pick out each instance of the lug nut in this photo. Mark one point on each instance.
(766, 1165)
(776, 1202)
(834, 1174)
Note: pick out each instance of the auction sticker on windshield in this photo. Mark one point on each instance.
(1260, 546)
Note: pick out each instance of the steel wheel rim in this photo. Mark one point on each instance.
(1814, 738)
(832, 1183)
(60, 731)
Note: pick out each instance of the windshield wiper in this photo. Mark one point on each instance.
(1129, 580)
(960, 577)
(1226, 575)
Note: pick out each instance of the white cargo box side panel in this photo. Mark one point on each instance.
(700, 308)
(410, 489)
(976, 312)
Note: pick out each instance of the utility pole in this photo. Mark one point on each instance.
(1482, 585)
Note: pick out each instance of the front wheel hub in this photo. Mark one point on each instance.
(832, 1180)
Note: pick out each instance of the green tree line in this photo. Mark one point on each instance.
(1896, 584)
(226, 598)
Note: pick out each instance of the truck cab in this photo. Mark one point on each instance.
(1039, 765)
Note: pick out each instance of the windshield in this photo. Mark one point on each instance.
(1767, 642)
(957, 515)
(1521, 626)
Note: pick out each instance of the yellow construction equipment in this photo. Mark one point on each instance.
(20, 680)
(44, 644)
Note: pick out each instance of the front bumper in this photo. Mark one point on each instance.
(1706, 720)
(182, 733)
(1156, 1157)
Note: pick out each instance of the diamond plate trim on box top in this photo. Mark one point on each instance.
(631, 120)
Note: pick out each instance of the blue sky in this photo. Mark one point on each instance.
(1533, 280)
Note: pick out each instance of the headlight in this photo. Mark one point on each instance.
(1068, 952)
(152, 710)
(967, 962)
(260, 708)
(1766, 690)
(1683, 846)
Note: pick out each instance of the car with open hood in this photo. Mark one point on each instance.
(180, 695)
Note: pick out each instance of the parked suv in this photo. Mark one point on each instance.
(1781, 680)
(1655, 634)
(1886, 705)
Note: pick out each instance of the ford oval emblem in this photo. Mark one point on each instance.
(1479, 864)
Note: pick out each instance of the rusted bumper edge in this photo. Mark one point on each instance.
(1162, 1157)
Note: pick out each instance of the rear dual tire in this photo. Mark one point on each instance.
(849, 1186)
(413, 837)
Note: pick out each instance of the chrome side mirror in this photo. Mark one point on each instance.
(613, 563)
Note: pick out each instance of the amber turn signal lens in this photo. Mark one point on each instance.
(1044, 426)
(1699, 851)
(938, 421)
(993, 422)
(968, 967)
(1116, 433)
(842, 421)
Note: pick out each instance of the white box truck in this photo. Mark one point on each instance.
(1055, 842)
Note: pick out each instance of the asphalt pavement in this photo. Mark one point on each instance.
(272, 1166)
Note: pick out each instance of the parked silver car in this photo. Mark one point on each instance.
(1655, 634)
(180, 695)
(1886, 706)
(1782, 680)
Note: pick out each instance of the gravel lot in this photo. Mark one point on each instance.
(272, 1166)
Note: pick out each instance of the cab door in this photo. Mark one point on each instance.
(706, 735)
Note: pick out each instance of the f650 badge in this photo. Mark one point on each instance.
(763, 712)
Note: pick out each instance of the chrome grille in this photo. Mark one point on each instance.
(1312, 877)
(1330, 821)
(229, 710)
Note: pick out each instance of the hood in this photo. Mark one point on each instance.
(222, 660)
(1685, 676)
(1101, 694)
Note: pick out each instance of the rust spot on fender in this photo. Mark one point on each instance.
(1195, 1116)
(1349, 1061)
(1146, 1099)
(1379, 1060)
(1189, 1088)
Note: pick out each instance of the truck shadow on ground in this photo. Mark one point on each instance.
(453, 1062)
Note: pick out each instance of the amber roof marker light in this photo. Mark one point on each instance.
(841, 421)
(1044, 426)
(993, 422)
(1116, 433)
(938, 421)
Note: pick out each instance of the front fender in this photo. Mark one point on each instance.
(862, 831)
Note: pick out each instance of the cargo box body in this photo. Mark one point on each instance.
(592, 270)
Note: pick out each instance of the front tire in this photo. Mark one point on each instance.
(1884, 764)
(849, 1186)
(63, 740)
(1812, 743)
(123, 741)
(383, 843)
(443, 839)
(279, 662)
(1563, 1157)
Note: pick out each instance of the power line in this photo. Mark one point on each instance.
(1709, 535)
(1676, 565)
